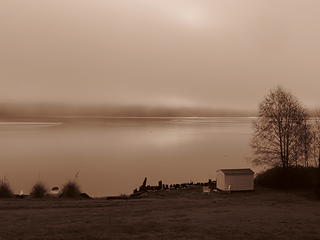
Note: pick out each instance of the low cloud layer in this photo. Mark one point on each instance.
(177, 53)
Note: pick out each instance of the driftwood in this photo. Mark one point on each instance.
(144, 187)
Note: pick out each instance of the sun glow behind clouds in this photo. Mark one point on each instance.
(192, 16)
(187, 12)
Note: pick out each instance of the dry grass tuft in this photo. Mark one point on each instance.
(71, 190)
(5, 190)
(39, 190)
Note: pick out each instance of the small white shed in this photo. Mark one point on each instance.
(235, 179)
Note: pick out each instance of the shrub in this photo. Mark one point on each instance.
(71, 190)
(5, 190)
(288, 178)
(39, 190)
(317, 190)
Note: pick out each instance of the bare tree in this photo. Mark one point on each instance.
(281, 136)
(305, 144)
(315, 147)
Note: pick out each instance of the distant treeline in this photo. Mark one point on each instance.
(47, 110)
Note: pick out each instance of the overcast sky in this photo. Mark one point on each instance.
(222, 54)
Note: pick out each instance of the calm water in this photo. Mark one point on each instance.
(114, 155)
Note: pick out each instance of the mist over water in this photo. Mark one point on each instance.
(114, 155)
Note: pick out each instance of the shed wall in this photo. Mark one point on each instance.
(239, 182)
(220, 180)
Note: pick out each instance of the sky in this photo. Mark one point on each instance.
(198, 53)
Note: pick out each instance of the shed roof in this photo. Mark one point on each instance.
(241, 171)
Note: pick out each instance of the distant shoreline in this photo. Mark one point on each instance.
(29, 119)
(28, 123)
(56, 121)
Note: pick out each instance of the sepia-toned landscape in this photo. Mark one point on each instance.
(159, 119)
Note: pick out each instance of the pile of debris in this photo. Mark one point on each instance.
(211, 185)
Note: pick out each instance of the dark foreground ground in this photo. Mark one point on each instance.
(263, 214)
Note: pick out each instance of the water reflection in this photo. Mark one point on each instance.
(114, 155)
